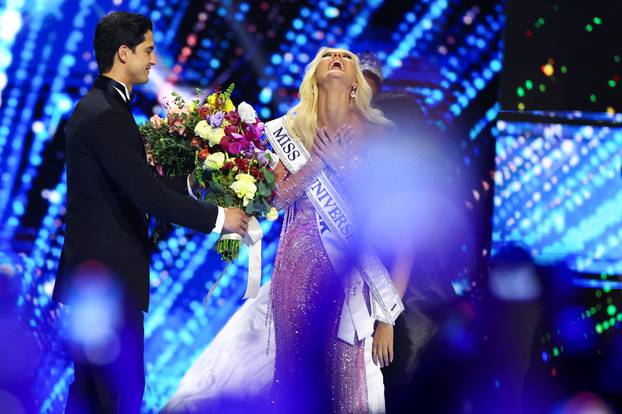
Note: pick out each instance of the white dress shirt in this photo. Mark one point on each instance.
(124, 94)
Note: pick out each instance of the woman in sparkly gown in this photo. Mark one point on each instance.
(315, 371)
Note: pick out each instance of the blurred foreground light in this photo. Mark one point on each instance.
(518, 283)
(584, 403)
(10, 403)
(93, 314)
(403, 199)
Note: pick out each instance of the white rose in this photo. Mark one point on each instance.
(247, 113)
(214, 161)
(273, 214)
(244, 187)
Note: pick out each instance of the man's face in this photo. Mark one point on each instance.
(140, 61)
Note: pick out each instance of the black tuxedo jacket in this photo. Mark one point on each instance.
(110, 190)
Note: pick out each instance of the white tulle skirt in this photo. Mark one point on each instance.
(235, 372)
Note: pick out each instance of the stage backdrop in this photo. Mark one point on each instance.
(445, 53)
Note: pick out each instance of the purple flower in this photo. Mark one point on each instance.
(249, 152)
(231, 129)
(234, 148)
(233, 118)
(261, 157)
(251, 133)
(245, 144)
(215, 120)
(224, 142)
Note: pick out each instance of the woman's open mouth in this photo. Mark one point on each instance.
(336, 65)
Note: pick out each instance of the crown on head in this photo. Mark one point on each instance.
(369, 62)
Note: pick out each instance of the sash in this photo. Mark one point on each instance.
(337, 231)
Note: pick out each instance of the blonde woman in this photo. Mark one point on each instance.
(315, 370)
(310, 367)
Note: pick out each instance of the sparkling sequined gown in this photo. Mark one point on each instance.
(315, 371)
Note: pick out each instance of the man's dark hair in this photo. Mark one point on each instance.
(117, 29)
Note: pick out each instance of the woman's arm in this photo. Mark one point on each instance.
(289, 187)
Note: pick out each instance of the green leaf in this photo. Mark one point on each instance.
(227, 94)
(217, 187)
(263, 190)
(210, 198)
(249, 208)
(270, 179)
(198, 169)
(228, 200)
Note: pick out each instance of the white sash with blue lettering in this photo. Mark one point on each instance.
(336, 232)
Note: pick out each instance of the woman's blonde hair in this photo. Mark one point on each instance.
(301, 120)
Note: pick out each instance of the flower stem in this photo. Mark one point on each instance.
(229, 250)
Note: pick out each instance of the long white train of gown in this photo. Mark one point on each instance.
(237, 368)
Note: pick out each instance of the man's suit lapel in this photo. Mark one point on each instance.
(110, 85)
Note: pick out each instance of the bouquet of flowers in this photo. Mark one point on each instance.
(226, 149)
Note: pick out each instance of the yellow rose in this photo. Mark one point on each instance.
(273, 214)
(214, 161)
(245, 177)
(202, 129)
(209, 133)
(215, 136)
(244, 187)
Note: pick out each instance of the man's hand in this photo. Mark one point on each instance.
(236, 221)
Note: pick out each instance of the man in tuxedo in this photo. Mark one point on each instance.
(103, 274)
